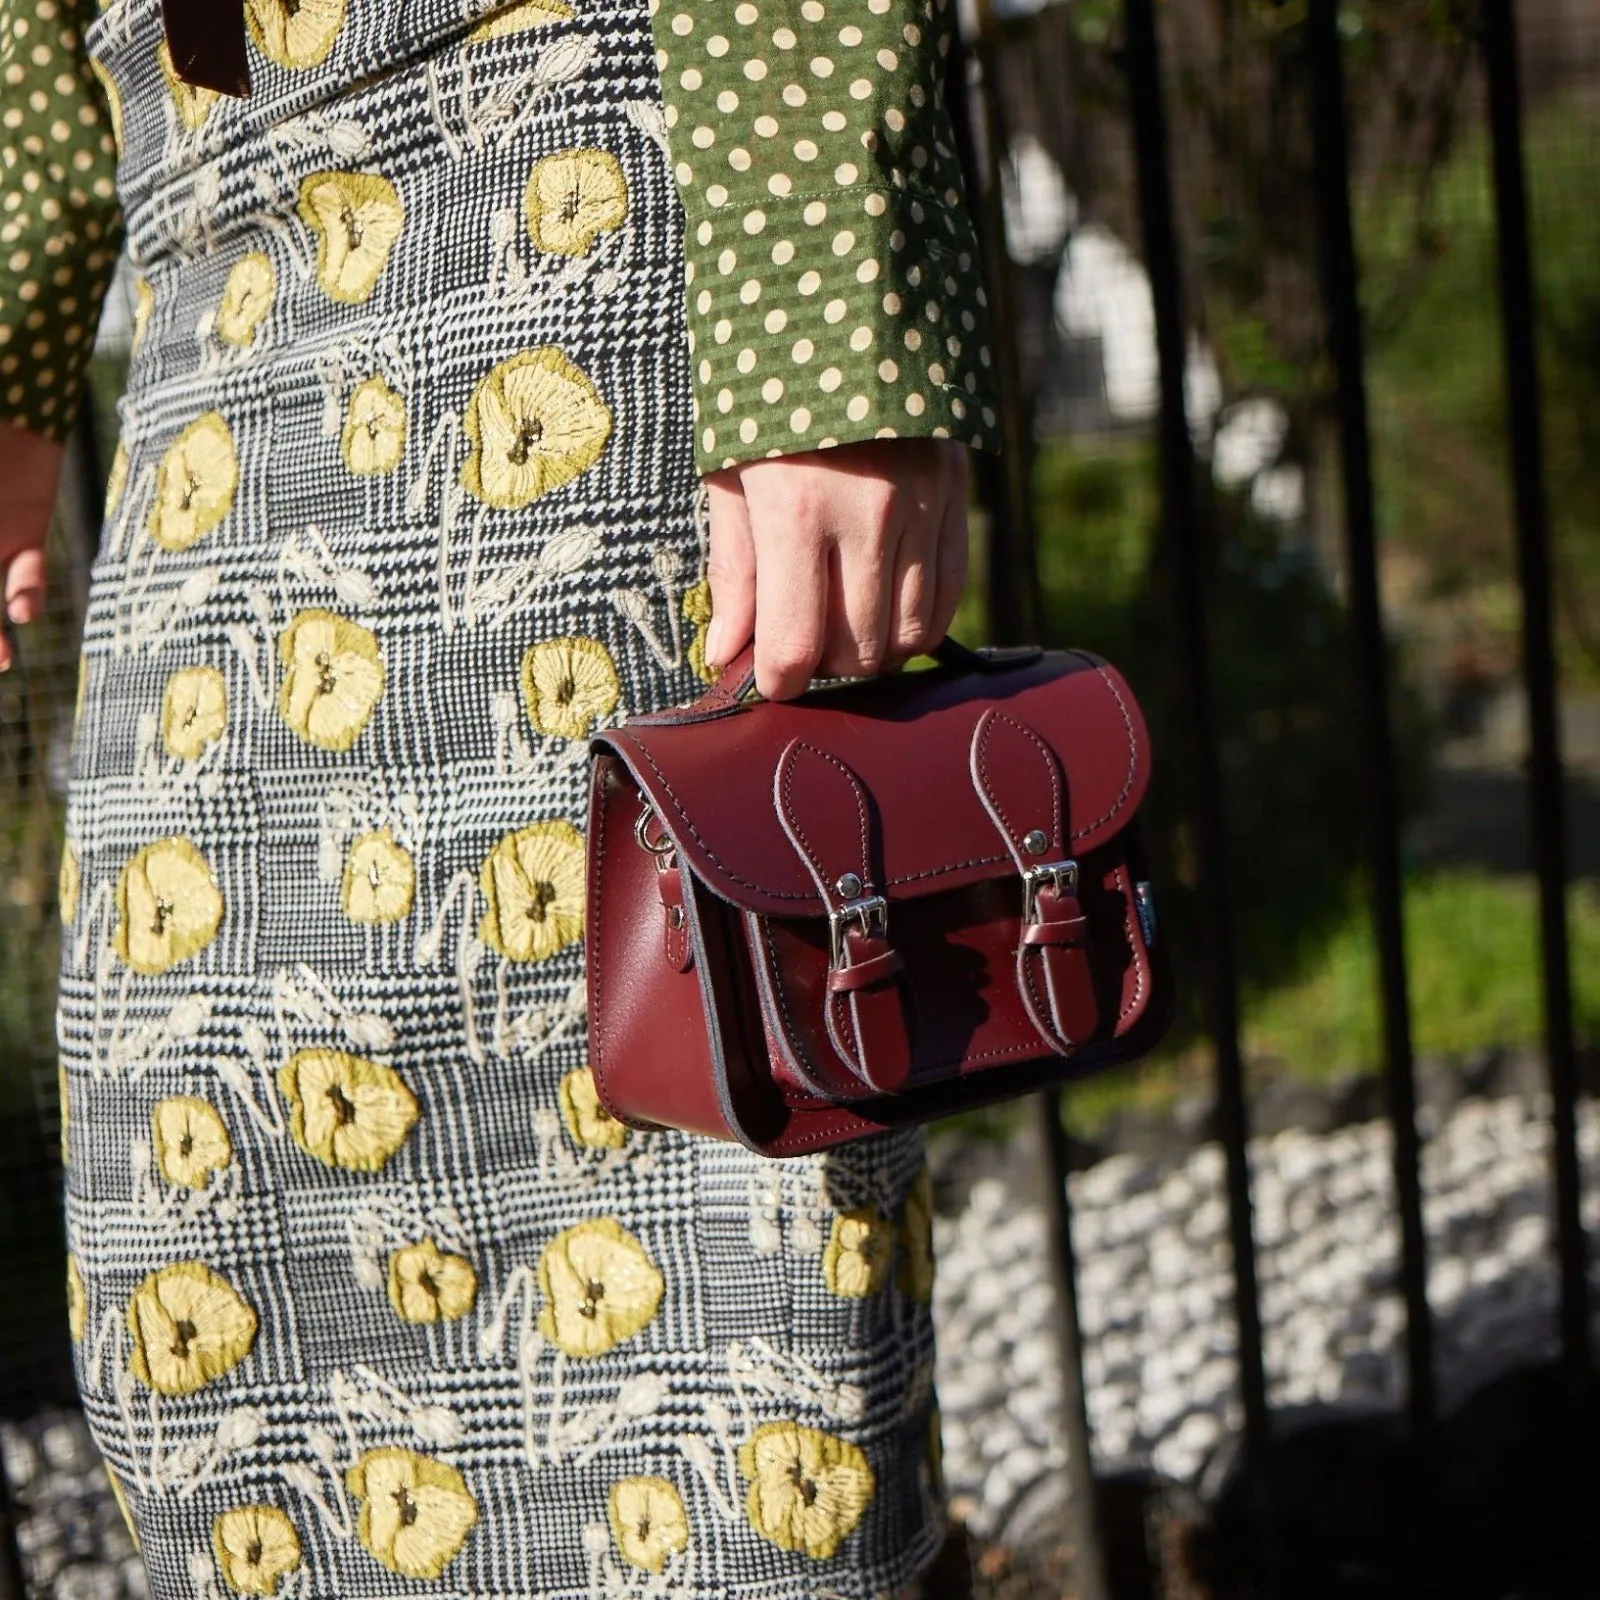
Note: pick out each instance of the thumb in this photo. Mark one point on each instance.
(731, 571)
(25, 585)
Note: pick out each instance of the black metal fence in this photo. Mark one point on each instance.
(1137, 48)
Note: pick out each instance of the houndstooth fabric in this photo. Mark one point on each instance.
(370, 1297)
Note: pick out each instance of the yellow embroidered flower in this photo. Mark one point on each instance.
(374, 435)
(428, 1285)
(82, 691)
(144, 303)
(535, 422)
(295, 33)
(247, 299)
(647, 1521)
(856, 1262)
(69, 880)
(599, 1287)
(589, 1123)
(533, 881)
(113, 102)
(380, 879)
(356, 216)
(697, 613)
(333, 678)
(568, 685)
(416, 1513)
(168, 906)
(194, 103)
(915, 1276)
(191, 1140)
(520, 18)
(120, 1495)
(808, 1489)
(933, 1452)
(572, 198)
(194, 711)
(344, 1110)
(256, 1548)
(77, 1300)
(188, 1328)
(195, 483)
(116, 479)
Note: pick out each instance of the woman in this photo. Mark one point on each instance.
(429, 357)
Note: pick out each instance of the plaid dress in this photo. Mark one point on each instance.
(370, 1296)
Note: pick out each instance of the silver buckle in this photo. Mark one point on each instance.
(1062, 876)
(870, 914)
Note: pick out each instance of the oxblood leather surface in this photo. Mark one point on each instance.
(739, 1032)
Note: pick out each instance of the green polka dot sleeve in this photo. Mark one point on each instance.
(59, 224)
(832, 267)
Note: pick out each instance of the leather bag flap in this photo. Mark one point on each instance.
(907, 738)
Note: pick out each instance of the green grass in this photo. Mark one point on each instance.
(1472, 946)
(1472, 949)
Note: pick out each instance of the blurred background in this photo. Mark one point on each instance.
(1307, 1457)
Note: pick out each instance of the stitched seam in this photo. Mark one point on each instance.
(1051, 771)
(1133, 760)
(915, 877)
(808, 1068)
(1037, 1009)
(834, 1007)
(1141, 964)
(699, 839)
(818, 870)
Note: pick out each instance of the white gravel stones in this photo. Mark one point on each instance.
(74, 1543)
(1156, 1294)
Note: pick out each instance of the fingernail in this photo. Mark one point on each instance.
(714, 642)
(21, 609)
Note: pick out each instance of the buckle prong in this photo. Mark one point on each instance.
(1062, 876)
(869, 913)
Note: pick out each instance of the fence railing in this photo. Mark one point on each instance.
(1184, 494)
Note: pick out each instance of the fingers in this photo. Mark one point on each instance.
(792, 581)
(859, 553)
(730, 570)
(950, 561)
(23, 598)
(931, 567)
(25, 585)
(862, 599)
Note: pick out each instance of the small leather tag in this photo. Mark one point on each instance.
(207, 43)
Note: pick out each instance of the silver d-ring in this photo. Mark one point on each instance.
(641, 830)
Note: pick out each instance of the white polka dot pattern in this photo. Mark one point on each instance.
(834, 292)
(59, 225)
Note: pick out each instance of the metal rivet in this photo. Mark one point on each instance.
(848, 887)
(1036, 843)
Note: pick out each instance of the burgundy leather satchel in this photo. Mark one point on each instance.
(879, 903)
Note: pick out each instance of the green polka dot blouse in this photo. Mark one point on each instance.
(59, 227)
(833, 286)
(833, 291)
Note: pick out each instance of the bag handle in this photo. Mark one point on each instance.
(737, 680)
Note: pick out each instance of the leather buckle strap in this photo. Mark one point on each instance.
(678, 947)
(1020, 783)
(824, 811)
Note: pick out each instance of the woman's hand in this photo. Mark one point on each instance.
(30, 466)
(840, 562)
